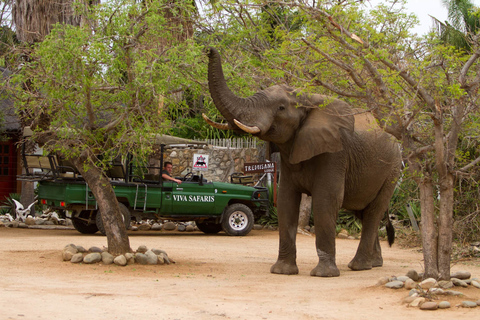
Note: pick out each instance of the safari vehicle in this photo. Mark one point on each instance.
(214, 206)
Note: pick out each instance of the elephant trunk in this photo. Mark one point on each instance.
(229, 105)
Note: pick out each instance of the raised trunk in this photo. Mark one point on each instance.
(117, 238)
(229, 105)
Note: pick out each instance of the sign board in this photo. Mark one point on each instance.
(260, 167)
(200, 162)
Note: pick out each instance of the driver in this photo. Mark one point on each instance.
(167, 172)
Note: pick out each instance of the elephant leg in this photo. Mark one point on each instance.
(377, 260)
(369, 252)
(288, 212)
(325, 208)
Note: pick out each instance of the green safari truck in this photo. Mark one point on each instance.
(214, 206)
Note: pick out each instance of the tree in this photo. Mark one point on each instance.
(463, 24)
(422, 92)
(96, 91)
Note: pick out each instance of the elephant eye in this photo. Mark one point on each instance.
(281, 108)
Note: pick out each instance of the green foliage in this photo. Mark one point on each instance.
(346, 220)
(9, 205)
(105, 86)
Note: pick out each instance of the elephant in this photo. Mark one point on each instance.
(338, 155)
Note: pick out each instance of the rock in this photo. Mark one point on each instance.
(158, 251)
(142, 249)
(394, 284)
(343, 234)
(2, 224)
(93, 257)
(12, 224)
(144, 227)
(120, 260)
(161, 258)
(141, 258)
(412, 274)
(436, 291)
(181, 227)
(453, 293)
(107, 258)
(134, 228)
(157, 227)
(444, 284)
(462, 275)
(459, 283)
(478, 302)
(95, 249)
(81, 249)
(68, 252)
(257, 227)
(429, 305)
(382, 281)
(409, 299)
(428, 283)
(312, 229)
(169, 226)
(417, 302)
(151, 257)
(39, 222)
(130, 258)
(190, 228)
(49, 223)
(469, 304)
(444, 305)
(413, 293)
(30, 221)
(410, 284)
(22, 225)
(77, 258)
(476, 284)
(403, 278)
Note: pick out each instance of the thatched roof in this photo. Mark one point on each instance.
(8, 119)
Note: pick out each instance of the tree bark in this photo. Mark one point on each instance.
(445, 223)
(117, 238)
(429, 234)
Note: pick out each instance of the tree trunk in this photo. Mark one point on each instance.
(305, 211)
(117, 238)
(445, 223)
(429, 234)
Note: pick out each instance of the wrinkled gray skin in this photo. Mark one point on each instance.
(341, 159)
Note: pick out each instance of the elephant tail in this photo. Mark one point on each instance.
(390, 230)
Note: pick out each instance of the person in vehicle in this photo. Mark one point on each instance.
(167, 173)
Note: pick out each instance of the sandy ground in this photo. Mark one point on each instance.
(215, 277)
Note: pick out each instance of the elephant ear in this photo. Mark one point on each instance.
(321, 131)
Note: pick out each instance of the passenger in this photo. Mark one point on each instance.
(167, 173)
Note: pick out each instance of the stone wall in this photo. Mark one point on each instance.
(223, 161)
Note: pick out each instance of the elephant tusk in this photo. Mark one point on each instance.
(221, 126)
(248, 129)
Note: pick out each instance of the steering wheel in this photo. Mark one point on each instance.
(188, 176)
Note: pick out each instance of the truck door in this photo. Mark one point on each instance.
(193, 198)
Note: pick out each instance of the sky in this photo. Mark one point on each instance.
(423, 9)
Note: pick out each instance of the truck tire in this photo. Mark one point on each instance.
(209, 227)
(237, 220)
(126, 218)
(83, 226)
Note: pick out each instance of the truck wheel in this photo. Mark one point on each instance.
(209, 227)
(125, 214)
(237, 220)
(83, 226)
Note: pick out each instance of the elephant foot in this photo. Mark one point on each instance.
(324, 270)
(360, 264)
(282, 267)
(377, 262)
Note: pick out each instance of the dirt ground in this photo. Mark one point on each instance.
(214, 277)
